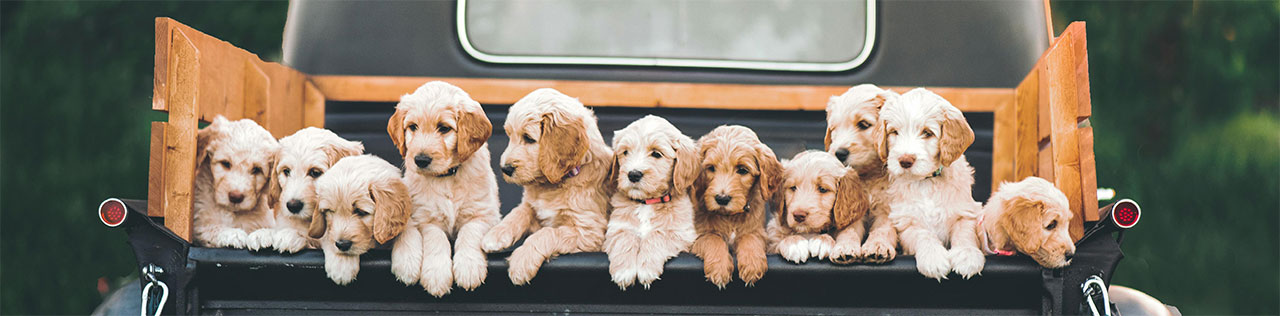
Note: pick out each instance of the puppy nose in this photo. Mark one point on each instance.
(343, 245)
(294, 206)
(723, 199)
(906, 161)
(508, 169)
(799, 216)
(842, 153)
(422, 160)
(235, 197)
(635, 176)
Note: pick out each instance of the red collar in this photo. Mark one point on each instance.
(985, 242)
(662, 199)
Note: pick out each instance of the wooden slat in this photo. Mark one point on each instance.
(638, 94)
(1027, 144)
(180, 134)
(1064, 100)
(312, 106)
(155, 176)
(1004, 144)
(285, 112)
(1088, 173)
(256, 91)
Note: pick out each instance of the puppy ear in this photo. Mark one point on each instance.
(851, 200)
(611, 178)
(780, 206)
(770, 170)
(318, 225)
(271, 191)
(563, 145)
(395, 128)
(391, 208)
(687, 160)
(206, 135)
(338, 148)
(1020, 221)
(954, 137)
(473, 130)
(882, 146)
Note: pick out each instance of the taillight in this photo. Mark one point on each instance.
(1125, 213)
(112, 212)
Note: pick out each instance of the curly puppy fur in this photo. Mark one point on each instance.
(1029, 216)
(304, 157)
(739, 173)
(923, 140)
(557, 154)
(363, 205)
(851, 137)
(818, 206)
(653, 159)
(233, 195)
(442, 134)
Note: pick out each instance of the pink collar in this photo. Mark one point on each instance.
(662, 199)
(985, 242)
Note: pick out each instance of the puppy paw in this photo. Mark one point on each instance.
(469, 270)
(877, 252)
(260, 239)
(794, 249)
(523, 266)
(231, 238)
(341, 269)
(751, 270)
(846, 253)
(623, 276)
(406, 264)
(498, 239)
(719, 273)
(933, 264)
(288, 241)
(647, 273)
(966, 262)
(437, 276)
(820, 246)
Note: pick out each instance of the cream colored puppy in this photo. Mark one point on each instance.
(851, 136)
(818, 204)
(304, 157)
(557, 154)
(932, 206)
(233, 195)
(1029, 216)
(652, 218)
(442, 134)
(363, 205)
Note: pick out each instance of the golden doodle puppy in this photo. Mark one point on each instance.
(363, 205)
(1029, 216)
(932, 207)
(817, 207)
(652, 218)
(304, 157)
(851, 137)
(233, 195)
(442, 134)
(557, 154)
(739, 173)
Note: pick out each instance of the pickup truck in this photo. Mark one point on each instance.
(769, 65)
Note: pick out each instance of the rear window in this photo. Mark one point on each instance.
(785, 35)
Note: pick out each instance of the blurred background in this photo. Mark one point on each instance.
(1186, 101)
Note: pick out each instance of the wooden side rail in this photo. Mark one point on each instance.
(1040, 126)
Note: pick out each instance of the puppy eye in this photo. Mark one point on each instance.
(823, 190)
(315, 172)
(711, 168)
(793, 188)
(225, 164)
(413, 127)
(285, 171)
(529, 140)
(1052, 225)
(257, 170)
(743, 170)
(360, 212)
(443, 129)
(863, 125)
(656, 154)
(927, 133)
(893, 132)
(625, 152)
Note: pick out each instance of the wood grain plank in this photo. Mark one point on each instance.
(312, 106)
(1088, 173)
(1027, 144)
(1064, 103)
(180, 135)
(256, 91)
(1004, 144)
(155, 171)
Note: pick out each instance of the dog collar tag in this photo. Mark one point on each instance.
(662, 199)
(450, 172)
(937, 172)
(574, 172)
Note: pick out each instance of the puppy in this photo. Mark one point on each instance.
(1029, 216)
(442, 133)
(819, 202)
(652, 219)
(304, 156)
(557, 154)
(739, 173)
(923, 138)
(851, 137)
(233, 195)
(363, 204)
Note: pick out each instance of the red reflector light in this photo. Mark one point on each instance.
(112, 212)
(1126, 213)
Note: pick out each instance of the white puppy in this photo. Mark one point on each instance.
(363, 205)
(233, 195)
(304, 157)
(923, 138)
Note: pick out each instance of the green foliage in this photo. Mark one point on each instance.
(1185, 99)
(76, 106)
